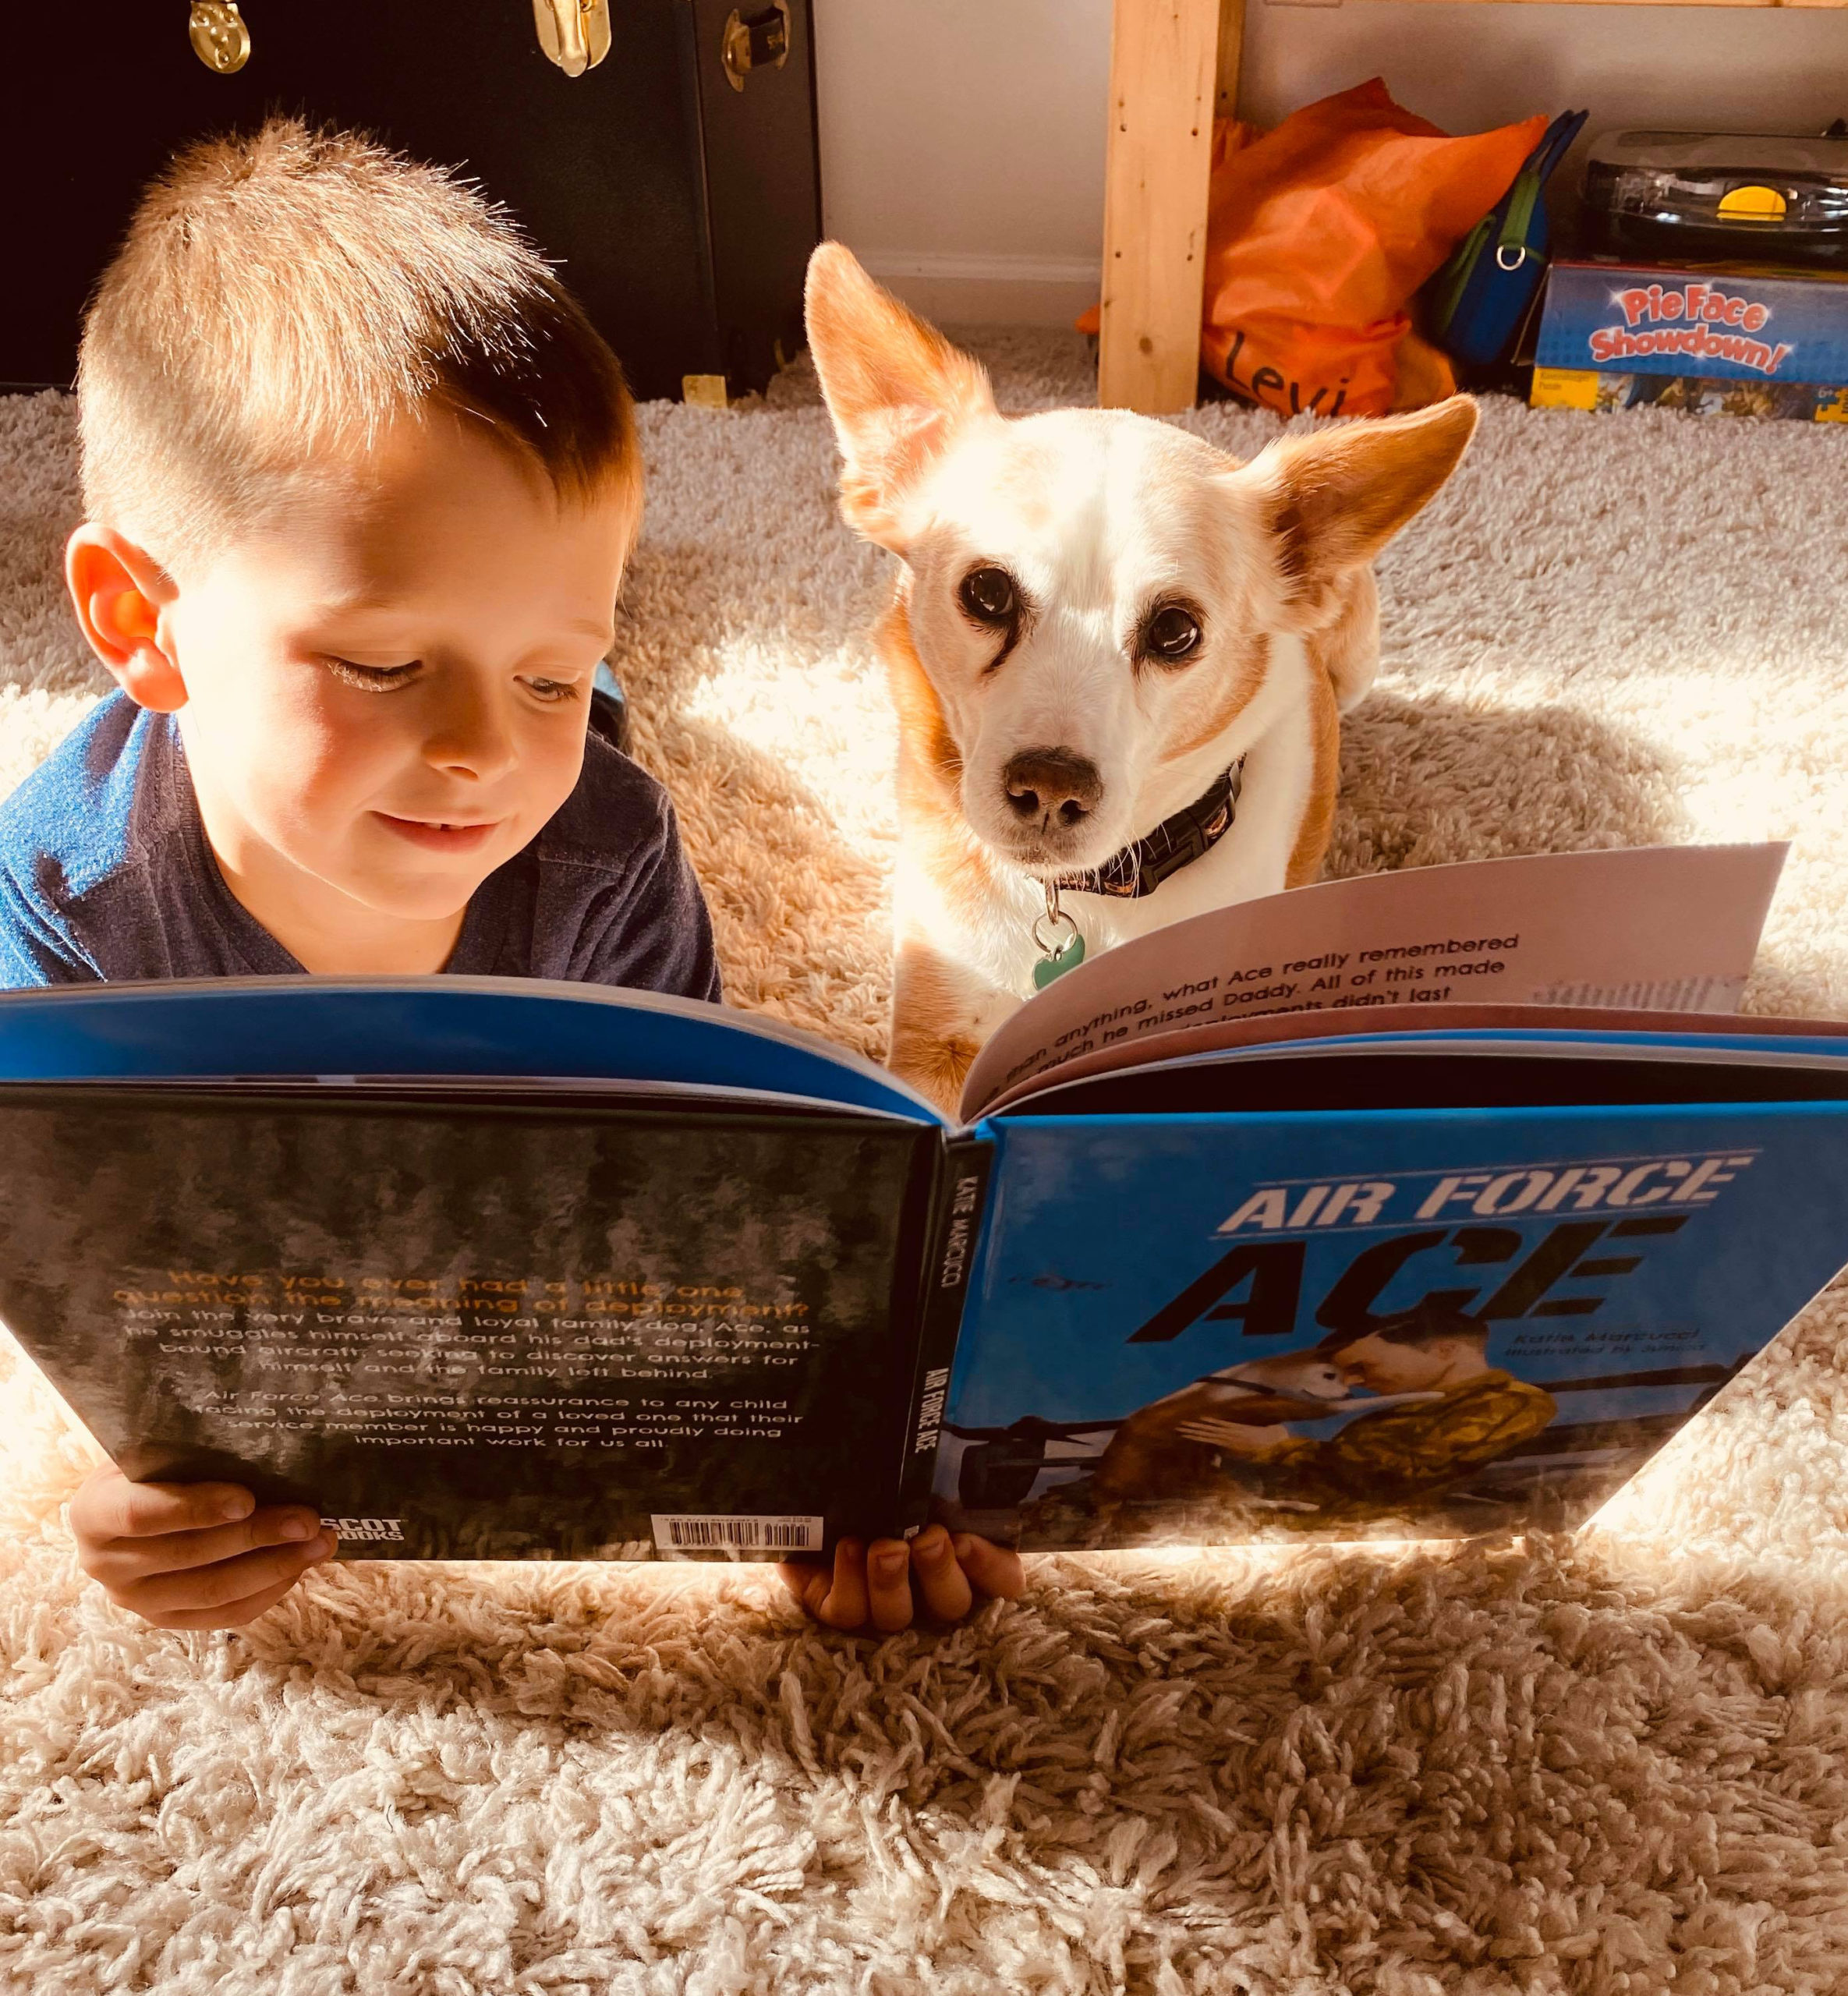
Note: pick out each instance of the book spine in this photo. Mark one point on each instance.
(962, 1201)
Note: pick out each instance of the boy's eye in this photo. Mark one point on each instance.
(552, 690)
(374, 679)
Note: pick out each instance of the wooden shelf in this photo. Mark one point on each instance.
(1164, 86)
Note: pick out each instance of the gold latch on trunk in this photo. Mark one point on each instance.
(755, 38)
(219, 37)
(575, 33)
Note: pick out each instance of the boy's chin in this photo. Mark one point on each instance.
(418, 898)
(425, 908)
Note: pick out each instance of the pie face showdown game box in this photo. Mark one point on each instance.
(1726, 341)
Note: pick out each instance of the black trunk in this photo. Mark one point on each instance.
(681, 209)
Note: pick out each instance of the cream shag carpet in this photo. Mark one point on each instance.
(1615, 1763)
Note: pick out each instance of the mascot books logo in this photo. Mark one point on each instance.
(365, 1528)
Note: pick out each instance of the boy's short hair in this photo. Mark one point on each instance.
(282, 298)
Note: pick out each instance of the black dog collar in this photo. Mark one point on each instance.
(1176, 842)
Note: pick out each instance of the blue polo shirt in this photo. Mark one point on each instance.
(106, 876)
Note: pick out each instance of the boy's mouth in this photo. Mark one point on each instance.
(447, 836)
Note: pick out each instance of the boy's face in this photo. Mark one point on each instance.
(386, 696)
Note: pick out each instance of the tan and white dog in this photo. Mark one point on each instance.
(1119, 656)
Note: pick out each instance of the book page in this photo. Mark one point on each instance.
(1667, 928)
(1755, 1037)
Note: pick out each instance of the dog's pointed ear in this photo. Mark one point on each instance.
(899, 391)
(1333, 499)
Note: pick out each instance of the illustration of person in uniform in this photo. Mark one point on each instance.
(1163, 1453)
(1452, 1413)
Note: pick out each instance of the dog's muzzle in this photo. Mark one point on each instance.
(1052, 791)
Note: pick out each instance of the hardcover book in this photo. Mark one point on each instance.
(1426, 1204)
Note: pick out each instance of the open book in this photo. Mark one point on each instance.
(1426, 1203)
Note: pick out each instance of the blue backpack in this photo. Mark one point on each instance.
(1474, 305)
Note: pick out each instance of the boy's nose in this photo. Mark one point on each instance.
(473, 740)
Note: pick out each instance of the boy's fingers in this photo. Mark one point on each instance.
(123, 1560)
(1200, 1431)
(110, 1506)
(940, 1579)
(889, 1584)
(795, 1574)
(844, 1604)
(230, 1580)
(875, 1583)
(150, 1508)
(810, 1581)
(836, 1594)
(992, 1569)
(233, 1615)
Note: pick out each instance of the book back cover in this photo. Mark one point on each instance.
(478, 1328)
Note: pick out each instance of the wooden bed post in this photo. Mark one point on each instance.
(1173, 64)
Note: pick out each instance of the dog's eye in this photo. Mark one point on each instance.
(988, 595)
(1171, 635)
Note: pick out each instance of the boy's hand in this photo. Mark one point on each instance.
(191, 1556)
(886, 1583)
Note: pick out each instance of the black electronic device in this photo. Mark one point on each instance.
(1704, 197)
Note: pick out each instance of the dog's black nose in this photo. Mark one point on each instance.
(1054, 786)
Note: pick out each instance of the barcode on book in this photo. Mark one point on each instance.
(694, 1534)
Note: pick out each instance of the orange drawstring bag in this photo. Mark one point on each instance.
(1318, 232)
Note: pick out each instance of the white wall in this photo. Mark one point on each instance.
(962, 141)
(962, 150)
(1468, 68)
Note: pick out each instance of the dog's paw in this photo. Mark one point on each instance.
(935, 1065)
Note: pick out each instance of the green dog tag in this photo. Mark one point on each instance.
(1068, 958)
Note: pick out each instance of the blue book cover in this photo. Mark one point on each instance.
(1411, 1322)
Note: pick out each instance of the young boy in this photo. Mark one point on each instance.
(360, 480)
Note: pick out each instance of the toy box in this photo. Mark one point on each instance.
(1723, 340)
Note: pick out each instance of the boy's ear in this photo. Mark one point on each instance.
(1332, 499)
(118, 591)
(898, 389)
